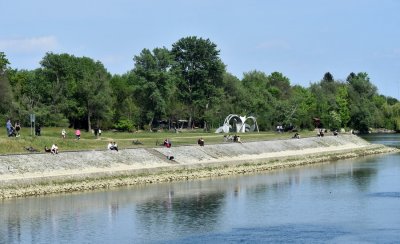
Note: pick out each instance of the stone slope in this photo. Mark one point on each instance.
(34, 169)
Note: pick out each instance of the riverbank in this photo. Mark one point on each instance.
(39, 174)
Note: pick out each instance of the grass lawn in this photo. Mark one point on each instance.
(50, 135)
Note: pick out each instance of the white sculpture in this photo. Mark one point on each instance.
(239, 122)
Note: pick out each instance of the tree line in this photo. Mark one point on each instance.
(188, 82)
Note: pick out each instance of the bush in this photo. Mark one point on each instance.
(124, 125)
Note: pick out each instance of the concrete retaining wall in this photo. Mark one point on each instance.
(34, 169)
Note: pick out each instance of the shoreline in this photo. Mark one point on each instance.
(85, 171)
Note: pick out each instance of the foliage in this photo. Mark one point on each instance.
(189, 82)
(124, 125)
(6, 96)
(199, 73)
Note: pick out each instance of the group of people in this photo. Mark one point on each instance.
(322, 132)
(296, 135)
(97, 132)
(112, 146)
(279, 128)
(234, 138)
(167, 143)
(13, 131)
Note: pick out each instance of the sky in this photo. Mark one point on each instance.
(300, 39)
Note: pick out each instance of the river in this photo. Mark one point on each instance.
(355, 201)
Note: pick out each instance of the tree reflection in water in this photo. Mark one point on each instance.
(193, 211)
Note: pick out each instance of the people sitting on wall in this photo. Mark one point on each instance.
(167, 143)
(46, 149)
(201, 142)
(238, 139)
(54, 149)
(320, 133)
(335, 133)
(235, 138)
(112, 146)
(296, 135)
(169, 155)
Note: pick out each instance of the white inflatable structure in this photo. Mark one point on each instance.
(239, 123)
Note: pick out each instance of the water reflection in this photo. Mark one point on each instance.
(388, 139)
(195, 212)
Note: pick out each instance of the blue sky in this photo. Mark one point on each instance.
(301, 39)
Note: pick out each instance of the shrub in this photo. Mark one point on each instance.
(124, 125)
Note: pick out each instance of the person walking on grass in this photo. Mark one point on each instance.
(78, 134)
(9, 127)
(63, 134)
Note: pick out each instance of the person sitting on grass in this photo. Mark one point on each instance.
(46, 149)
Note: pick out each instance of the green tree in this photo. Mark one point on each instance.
(6, 96)
(279, 85)
(362, 109)
(58, 84)
(306, 105)
(260, 102)
(122, 93)
(78, 89)
(93, 91)
(200, 72)
(335, 120)
(154, 83)
(343, 105)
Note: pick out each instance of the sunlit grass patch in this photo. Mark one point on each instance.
(88, 141)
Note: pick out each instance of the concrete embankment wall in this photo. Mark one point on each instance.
(131, 164)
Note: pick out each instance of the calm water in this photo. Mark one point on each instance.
(355, 201)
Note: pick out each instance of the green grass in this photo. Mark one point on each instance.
(50, 135)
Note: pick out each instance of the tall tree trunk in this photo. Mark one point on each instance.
(89, 123)
(190, 121)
